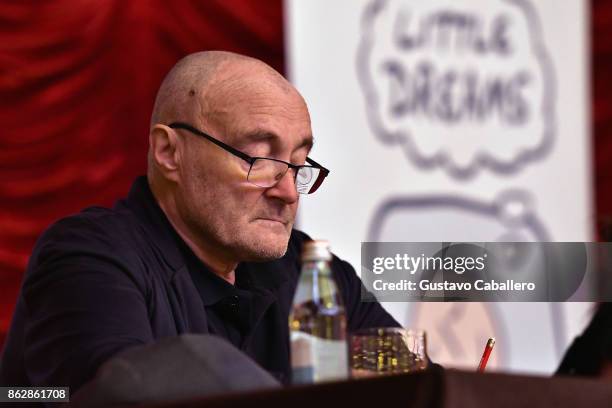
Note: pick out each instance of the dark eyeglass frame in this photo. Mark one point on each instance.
(323, 172)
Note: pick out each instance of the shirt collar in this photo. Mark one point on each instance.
(212, 287)
(143, 205)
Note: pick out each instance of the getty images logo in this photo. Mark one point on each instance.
(412, 264)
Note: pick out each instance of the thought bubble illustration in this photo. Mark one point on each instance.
(510, 217)
(463, 86)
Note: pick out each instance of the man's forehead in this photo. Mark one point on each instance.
(243, 76)
(258, 113)
(249, 101)
(246, 100)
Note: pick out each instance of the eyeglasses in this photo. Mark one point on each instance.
(267, 172)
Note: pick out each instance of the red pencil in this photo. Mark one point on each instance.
(486, 354)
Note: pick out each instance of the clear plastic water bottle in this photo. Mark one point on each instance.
(317, 322)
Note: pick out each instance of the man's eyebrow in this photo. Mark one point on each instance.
(260, 135)
(307, 142)
(265, 135)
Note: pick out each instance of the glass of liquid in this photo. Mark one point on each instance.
(387, 350)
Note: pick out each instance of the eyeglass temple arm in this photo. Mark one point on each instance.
(314, 163)
(235, 152)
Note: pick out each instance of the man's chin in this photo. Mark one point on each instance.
(268, 245)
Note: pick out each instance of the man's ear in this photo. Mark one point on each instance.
(165, 152)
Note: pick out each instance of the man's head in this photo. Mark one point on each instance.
(203, 188)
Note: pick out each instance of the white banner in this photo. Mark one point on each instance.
(451, 121)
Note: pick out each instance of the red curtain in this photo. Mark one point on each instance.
(601, 96)
(77, 84)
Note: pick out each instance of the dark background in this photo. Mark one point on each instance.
(77, 83)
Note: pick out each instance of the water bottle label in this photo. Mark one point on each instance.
(314, 359)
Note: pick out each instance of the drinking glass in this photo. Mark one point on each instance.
(383, 351)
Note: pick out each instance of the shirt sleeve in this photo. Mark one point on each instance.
(85, 300)
(361, 315)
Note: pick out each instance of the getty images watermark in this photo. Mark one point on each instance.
(487, 272)
(458, 265)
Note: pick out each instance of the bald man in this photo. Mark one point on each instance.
(203, 244)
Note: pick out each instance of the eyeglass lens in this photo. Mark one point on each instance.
(266, 173)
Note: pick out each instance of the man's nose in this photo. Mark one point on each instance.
(285, 189)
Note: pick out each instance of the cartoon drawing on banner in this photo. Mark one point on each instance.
(509, 218)
(462, 86)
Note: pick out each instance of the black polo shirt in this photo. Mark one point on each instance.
(232, 310)
(107, 279)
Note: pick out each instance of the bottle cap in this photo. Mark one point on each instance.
(317, 250)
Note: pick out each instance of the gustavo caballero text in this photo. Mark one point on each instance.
(479, 284)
